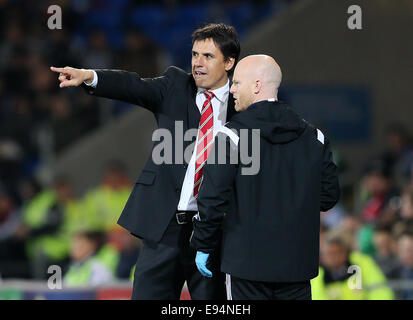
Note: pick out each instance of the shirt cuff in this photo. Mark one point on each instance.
(94, 82)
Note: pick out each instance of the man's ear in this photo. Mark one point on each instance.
(229, 63)
(257, 86)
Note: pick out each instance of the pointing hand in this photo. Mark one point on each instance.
(72, 77)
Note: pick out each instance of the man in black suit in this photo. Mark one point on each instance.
(270, 215)
(163, 200)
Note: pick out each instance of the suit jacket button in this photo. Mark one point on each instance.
(185, 166)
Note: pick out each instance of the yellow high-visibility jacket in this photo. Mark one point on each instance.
(373, 283)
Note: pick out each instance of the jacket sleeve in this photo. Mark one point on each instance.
(129, 87)
(214, 195)
(330, 189)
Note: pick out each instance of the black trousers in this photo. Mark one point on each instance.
(241, 289)
(162, 269)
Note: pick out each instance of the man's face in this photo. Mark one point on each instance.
(242, 89)
(333, 256)
(81, 247)
(208, 66)
(405, 251)
(375, 183)
(383, 242)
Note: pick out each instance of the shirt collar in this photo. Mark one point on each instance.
(221, 93)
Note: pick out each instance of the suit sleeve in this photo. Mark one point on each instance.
(129, 87)
(213, 199)
(330, 189)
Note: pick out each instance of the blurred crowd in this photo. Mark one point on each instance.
(37, 120)
(41, 226)
(80, 235)
(375, 233)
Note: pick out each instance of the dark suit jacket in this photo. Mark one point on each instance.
(271, 220)
(171, 97)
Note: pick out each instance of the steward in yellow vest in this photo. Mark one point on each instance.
(45, 226)
(106, 202)
(348, 275)
(91, 263)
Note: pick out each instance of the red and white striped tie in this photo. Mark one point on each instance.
(205, 139)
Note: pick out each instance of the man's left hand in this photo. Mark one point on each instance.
(201, 260)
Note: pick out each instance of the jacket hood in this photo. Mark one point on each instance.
(277, 122)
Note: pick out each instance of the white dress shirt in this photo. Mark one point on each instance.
(187, 202)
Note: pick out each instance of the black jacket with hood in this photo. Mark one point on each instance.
(271, 219)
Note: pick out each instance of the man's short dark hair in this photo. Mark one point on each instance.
(224, 36)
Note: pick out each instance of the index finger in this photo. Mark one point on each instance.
(57, 69)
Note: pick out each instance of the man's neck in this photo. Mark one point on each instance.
(215, 88)
(265, 98)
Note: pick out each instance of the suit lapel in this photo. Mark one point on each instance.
(231, 107)
(194, 116)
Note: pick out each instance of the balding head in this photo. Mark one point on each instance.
(256, 78)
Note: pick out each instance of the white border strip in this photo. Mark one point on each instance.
(228, 286)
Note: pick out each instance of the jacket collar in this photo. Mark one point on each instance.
(193, 112)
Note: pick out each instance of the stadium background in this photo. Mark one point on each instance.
(353, 84)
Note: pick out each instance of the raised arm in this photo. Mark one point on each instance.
(119, 85)
(72, 77)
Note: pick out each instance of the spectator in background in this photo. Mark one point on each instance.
(98, 54)
(378, 193)
(87, 268)
(332, 283)
(29, 188)
(405, 213)
(16, 71)
(129, 249)
(351, 225)
(44, 227)
(378, 203)
(323, 232)
(64, 125)
(405, 255)
(107, 200)
(87, 113)
(56, 48)
(39, 81)
(11, 157)
(139, 55)
(385, 255)
(68, 122)
(13, 38)
(108, 251)
(395, 142)
(13, 262)
(398, 154)
(20, 126)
